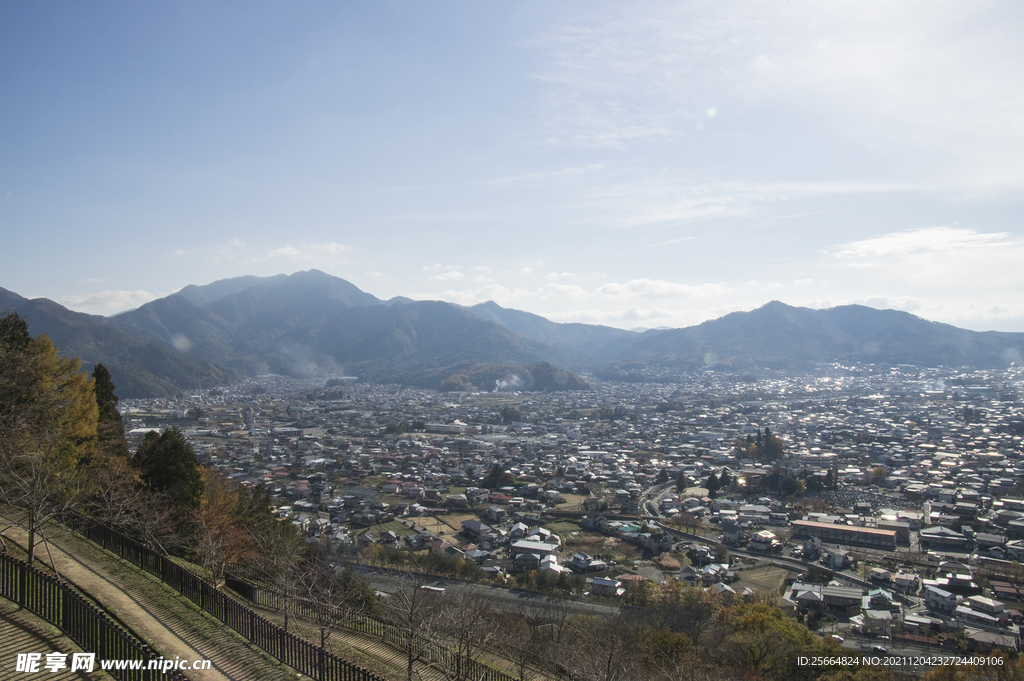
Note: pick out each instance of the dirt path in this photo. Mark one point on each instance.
(168, 622)
(23, 632)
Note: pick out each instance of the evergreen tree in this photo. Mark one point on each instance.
(167, 463)
(109, 427)
(713, 485)
(724, 479)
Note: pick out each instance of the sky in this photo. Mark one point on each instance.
(633, 164)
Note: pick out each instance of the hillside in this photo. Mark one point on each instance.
(312, 324)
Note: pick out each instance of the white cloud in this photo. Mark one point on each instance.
(652, 288)
(448, 276)
(496, 292)
(107, 302)
(562, 292)
(308, 251)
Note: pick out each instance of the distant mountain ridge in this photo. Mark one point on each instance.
(312, 324)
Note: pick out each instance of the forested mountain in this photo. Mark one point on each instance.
(312, 324)
(781, 336)
(141, 366)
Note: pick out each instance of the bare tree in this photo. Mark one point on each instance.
(329, 598)
(524, 637)
(605, 649)
(464, 626)
(414, 612)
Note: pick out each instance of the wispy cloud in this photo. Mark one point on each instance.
(946, 238)
(673, 241)
(898, 76)
(544, 178)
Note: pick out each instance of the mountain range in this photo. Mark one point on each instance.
(311, 324)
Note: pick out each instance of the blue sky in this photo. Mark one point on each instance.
(634, 164)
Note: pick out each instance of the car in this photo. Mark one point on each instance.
(879, 650)
(837, 638)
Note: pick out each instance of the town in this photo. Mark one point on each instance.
(881, 506)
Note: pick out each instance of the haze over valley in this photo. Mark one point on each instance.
(310, 324)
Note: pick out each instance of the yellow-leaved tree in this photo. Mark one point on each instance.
(48, 420)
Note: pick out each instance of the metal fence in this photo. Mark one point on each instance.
(92, 629)
(293, 651)
(428, 651)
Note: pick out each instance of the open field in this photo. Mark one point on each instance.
(571, 501)
(452, 521)
(563, 528)
(764, 579)
(396, 526)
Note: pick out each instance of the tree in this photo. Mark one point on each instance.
(497, 477)
(524, 637)
(724, 480)
(109, 426)
(48, 419)
(713, 484)
(790, 486)
(167, 463)
(219, 535)
(331, 598)
(413, 611)
(463, 623)
(771, 447)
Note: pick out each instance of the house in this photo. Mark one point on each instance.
(807, 596)
(475, 528)
(689, 575)
(582, 563)
(906, 581)
(549, 563)
(940, 538)
(839, 560)
(606, 586)
(714, 573)
(656, 543)
(456, 501)
(495, 514)
(880, 575)
(874, 622)
(763, 541)
(841, 598)
(526, 562)
(538, 547)
(732, 533)
(940, 600)
(519, 531)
